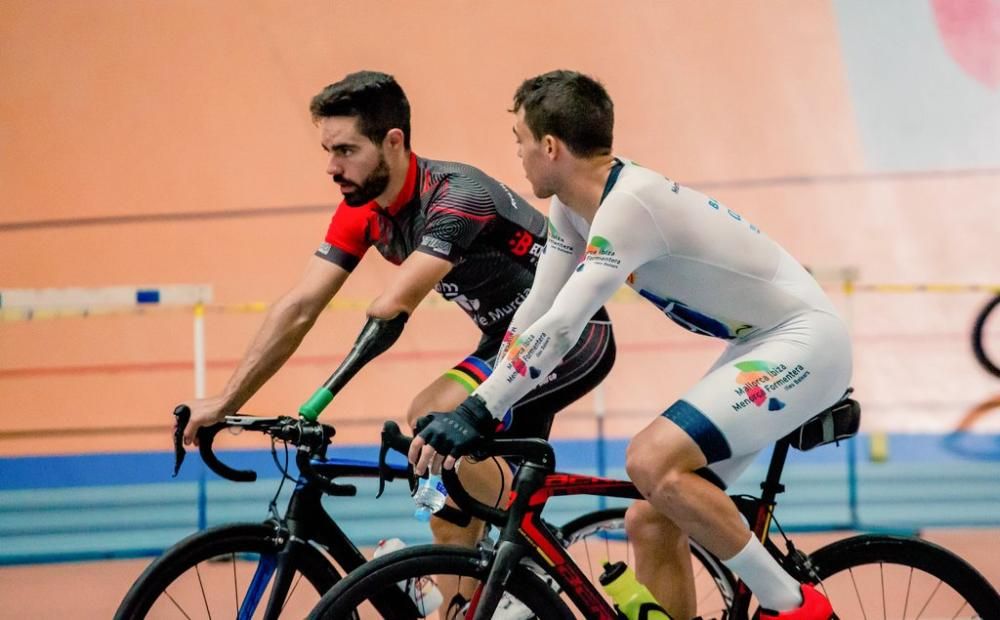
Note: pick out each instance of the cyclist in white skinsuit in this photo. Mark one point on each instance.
(789, 356)
(711, 272)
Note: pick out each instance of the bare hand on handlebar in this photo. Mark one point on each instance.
(204, 412)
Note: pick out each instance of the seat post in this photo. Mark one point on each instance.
(772, 483)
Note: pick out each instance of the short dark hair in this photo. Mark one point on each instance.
(373, 97)
(570, 106)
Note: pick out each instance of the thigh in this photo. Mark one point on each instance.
(763, 389)
(448, 390)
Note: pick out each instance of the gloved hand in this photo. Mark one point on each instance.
(452, 434)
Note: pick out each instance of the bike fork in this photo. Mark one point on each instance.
(276, 570)
(508, 555)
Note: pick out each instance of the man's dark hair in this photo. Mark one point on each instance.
(570, 106)
(374, 98)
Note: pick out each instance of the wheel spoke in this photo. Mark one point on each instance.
(857, 593)
(933, 592)
(291, 592)
(906, 601)
(881, 572)
(586, 549)
(964, 605)
(204, 596)
(236, 584)
(177, 605)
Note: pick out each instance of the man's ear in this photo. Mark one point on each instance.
(551, 146)
(394, 139)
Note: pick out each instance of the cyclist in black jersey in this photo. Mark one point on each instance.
(449, 227)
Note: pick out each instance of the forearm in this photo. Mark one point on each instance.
(284, 327)
(525, 315)
(530, 357)
(536, 352)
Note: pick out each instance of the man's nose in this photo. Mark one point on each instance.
(333, 167)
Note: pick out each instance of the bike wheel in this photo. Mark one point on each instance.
(225, 572)
(359, 592)
(875, 576)
(600, 535)
(985, 342)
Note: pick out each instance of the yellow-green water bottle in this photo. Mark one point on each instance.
(632, 598)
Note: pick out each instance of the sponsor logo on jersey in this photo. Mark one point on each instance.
(451, 292)
(760, 382)
(524, 350)
(600, 251)
(467, 304)
(523, 242)
(438, 246)
(514, 357)
(557, 242)
(733, 214)
(324, 248)
(496, 314)
(510, 196)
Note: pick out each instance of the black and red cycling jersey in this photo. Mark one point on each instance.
(492, 236)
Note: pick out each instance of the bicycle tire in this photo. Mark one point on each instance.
(373, 578)
(715, 585)
(843, 559)
(979, 336)
(235, 541)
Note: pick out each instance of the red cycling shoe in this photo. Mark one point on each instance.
(814, 606)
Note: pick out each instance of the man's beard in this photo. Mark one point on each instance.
(370, 188)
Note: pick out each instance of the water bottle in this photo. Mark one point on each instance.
(632, 598)
(429, 498)
(423, 591)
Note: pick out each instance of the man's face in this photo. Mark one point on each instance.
(356, 164)
(536, 163)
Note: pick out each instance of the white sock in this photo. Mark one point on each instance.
(773, 587)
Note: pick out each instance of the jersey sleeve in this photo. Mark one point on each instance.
(563, 250)
(623, 237)
(347, 238)
(460, 210)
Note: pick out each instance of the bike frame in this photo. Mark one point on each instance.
(524, 533)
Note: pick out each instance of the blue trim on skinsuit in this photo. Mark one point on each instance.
(703, 431)
(616, 169)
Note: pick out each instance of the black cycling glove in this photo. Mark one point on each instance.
(453, 434)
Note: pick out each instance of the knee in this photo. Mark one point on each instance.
(635, 464)
(648, 527)
(654, 472)
(644, 464)
(420, 406)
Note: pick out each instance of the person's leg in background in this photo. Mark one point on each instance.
(483, 480)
